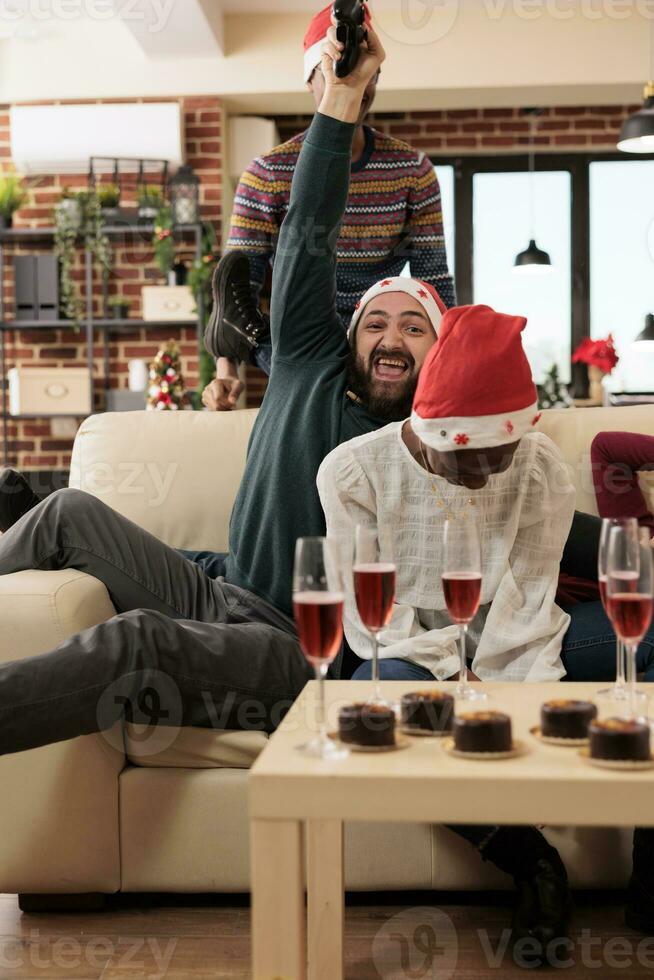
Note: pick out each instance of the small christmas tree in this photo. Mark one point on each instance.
(166, 391)
(553, 393)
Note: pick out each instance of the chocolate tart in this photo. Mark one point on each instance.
(620, 739)
(561, 718)
(366, 724)
(428, 711)
(482, 731)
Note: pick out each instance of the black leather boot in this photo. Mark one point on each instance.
(16, 498)
(236, 325)
(543, 905)
(541, 914)
(639, 911)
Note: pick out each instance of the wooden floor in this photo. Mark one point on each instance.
(418, 936)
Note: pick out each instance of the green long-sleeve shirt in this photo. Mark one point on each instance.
(306, 411)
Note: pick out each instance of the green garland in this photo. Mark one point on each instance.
(163, 240)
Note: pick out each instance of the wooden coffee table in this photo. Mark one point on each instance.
(297, 801)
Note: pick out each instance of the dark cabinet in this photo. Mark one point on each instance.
(37, 287)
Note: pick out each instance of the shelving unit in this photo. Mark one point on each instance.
(92, 325)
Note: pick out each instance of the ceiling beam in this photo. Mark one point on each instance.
(168, 29)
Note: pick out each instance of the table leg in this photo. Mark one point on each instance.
(325, 899)
(278, 919)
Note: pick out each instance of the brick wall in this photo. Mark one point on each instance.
(31, 443)
(456, 132)
(462, 132)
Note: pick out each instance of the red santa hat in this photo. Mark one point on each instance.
(475, 389)
(316, 37)
(425, 294)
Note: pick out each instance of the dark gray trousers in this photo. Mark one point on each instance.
(184, 649)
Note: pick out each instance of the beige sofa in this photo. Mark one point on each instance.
(94, 815)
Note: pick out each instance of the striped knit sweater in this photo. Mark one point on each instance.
(393, 216)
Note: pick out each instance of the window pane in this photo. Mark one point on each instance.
(445, 174)
(501, 217)
(621, 248)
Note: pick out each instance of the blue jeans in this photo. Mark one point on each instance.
(263, 357)
(212, 563)
(588, 652)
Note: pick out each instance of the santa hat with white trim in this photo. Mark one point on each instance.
(317, 35)
(475, 389)
(425, 294)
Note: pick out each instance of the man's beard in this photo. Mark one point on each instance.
(383, 405)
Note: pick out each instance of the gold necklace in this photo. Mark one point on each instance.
(440, 502)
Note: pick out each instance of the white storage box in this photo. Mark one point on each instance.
(49, 391)
(174, 303)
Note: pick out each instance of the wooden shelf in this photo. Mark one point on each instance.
(128, 227)
(100, 324)
(48, 415)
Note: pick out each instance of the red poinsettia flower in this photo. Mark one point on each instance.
(462, 439)
(598, 353)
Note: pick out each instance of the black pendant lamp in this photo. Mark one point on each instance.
(637, 133)
(646, 336)
(533, 255)
(533, 260)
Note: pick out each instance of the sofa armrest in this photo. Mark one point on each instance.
(38, 610)
(59, 803)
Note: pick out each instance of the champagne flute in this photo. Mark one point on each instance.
(374, 588)
(462, 589)
(619, 690)
(629, 595)
(318, 607)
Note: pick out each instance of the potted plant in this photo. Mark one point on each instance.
(78, 216)
(118, 307)
(601, 357)
(68, 209)
(12, 197)
(150, 201)
(109, 199)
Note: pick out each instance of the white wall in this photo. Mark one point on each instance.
(488, 54)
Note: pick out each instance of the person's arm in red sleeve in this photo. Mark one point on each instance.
(617, 458)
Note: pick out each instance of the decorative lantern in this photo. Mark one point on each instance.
(185, 197)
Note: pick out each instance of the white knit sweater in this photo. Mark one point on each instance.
(524, 518)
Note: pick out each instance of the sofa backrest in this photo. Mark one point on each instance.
(176, 473)
(573, 430)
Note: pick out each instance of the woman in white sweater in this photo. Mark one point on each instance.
(481, 461)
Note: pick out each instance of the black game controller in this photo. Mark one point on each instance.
(351, 31)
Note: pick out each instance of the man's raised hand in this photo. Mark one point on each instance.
(342, 98)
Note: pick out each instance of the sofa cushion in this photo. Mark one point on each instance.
(191, 748)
